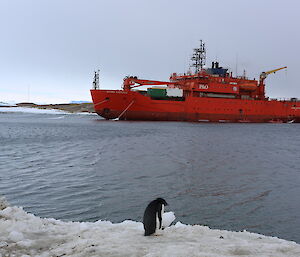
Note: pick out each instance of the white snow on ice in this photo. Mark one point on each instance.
(23, 234)
(31, 110)
(38, 111)
(7, 104)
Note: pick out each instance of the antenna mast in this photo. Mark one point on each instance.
(199, 57)
(96, 80)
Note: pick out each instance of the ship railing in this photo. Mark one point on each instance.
(284, 99)
(186, 76)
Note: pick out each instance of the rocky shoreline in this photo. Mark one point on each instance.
(71, 108)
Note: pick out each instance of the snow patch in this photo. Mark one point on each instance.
(39, 111)
(31, 110)
(7, 104)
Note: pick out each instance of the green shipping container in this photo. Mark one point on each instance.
(157, 92)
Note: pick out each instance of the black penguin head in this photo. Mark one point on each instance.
(161, 201)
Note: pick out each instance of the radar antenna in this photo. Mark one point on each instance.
(199, 57)
(96, 80)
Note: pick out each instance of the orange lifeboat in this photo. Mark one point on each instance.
(248, 87)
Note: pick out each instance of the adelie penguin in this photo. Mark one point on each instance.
(152, 219)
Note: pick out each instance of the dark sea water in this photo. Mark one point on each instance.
(83, 168)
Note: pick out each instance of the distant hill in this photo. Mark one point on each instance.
(73, 107)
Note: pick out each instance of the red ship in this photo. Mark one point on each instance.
(207, 95)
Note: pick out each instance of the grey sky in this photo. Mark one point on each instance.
(50, 48)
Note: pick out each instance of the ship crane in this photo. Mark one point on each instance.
(132, 82)
(261, 85)
(265, 74)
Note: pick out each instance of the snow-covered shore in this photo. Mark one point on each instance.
(30, 110)
(23, 234)
(38, 111)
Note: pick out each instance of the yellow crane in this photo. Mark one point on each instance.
(265, 74)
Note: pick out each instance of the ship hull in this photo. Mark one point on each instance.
(134, 105)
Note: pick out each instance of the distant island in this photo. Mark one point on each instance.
(73, 107)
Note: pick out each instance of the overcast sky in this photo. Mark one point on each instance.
(50, 48)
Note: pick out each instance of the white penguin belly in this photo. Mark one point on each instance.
(159, 230)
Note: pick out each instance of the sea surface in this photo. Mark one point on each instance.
(83, 168)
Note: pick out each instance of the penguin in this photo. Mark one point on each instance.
(152, 219)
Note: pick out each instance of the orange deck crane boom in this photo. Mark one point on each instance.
(132, 82)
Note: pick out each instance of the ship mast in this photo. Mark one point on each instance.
(199, 57)
(96, 80)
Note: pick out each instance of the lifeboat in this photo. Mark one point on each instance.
(248, 87)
